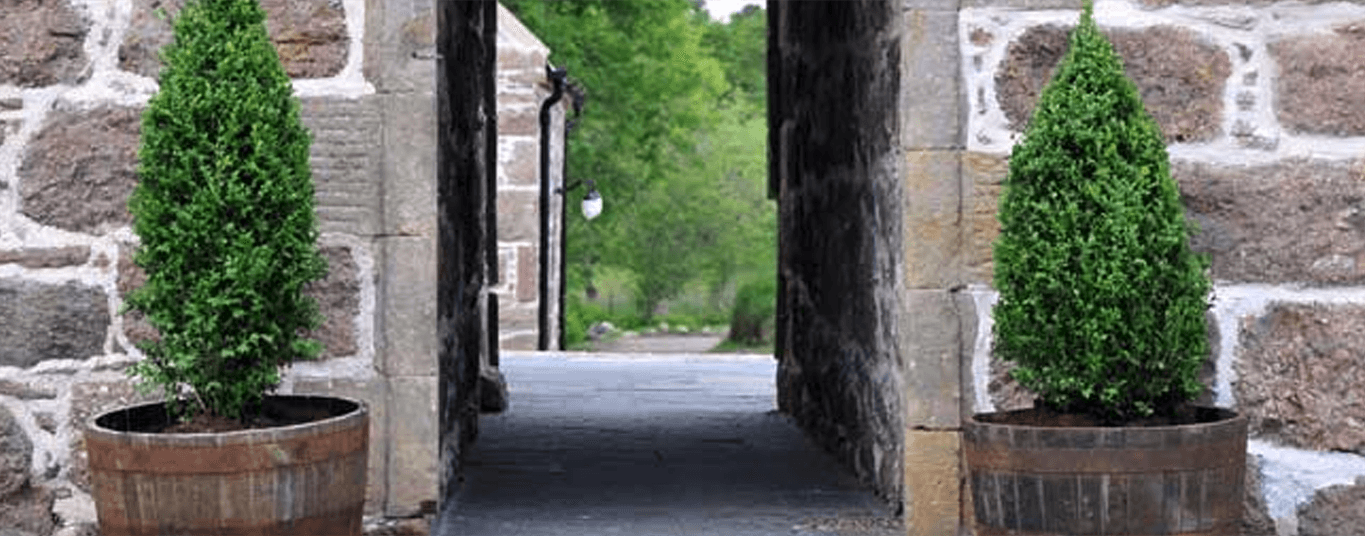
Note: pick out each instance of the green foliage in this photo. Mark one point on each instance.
(1102, 302)
(754, 314)
(675, 136)
(224, 213)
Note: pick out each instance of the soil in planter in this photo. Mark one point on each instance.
(1041, 415)
(275, 412)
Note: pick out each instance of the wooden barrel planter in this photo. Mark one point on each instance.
(1179, 479)
(304, 478)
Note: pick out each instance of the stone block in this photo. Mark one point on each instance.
(310, 36)
(982, 177)
(931, 101)
(338, 297)
(1321, 75)
(933, 218)
(1295, 221)
(87, 400)
(408, 306)
(1299, 375)
(968, 316)
(518, 216)
(1256, 519)
(520, 161)
(374, 391)
(528, 274)
(1335, 511)
(46, 321)
(519, 121)
(70, 181)
(400, 42)
(933, 481)
(409, 156)
(347, 158)
(1006, 393)
(43, 45)
(25, 391)
(525, 342)
(1179, 77)
(28, 511)
(931, 342)
(46, 257)
(413, 444)
(16, 454)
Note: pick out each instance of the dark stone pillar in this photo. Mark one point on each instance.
(834, 74)
(466, 124)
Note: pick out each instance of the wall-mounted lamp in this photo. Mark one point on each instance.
(592, 202)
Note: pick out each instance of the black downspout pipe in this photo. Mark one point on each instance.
(556, 77)
(576, 93)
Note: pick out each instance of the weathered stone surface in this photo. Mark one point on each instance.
(528, 273)
(80, 169)
(338, 297)
(24, 391)
(520, 121)
(45, 321)
(1322, 82)
(1005, 392)
(46, 421)
(409, 156)
(1299, 375)
(346, 159)
(518, 216)
(89, 399)
(1179, 77)
(29, 511)
(413, 454)
(1256, 519)
(46, 257)
(930, 106)
(130, 276)
(1296, 221)
(933, 481)
(933, 221)
(519, 162)
(408, 276)
(16, 453)
(310, 36)
(982, 177)
(42, 43)
(931, 334)
(1335, 511)
(400, 41)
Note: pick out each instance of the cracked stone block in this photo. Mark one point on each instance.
(46, 321)
(1335, 511)
(1322, 81)
(42, 44)
(1294, 221)
(80, 169)
(1299, 375)
(338, 297)
(46, 257)
(1179, 77)
(310, 36)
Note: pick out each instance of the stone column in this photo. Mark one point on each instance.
(932, 334)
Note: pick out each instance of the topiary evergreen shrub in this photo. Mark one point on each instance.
(224, 213)
(1102, 302)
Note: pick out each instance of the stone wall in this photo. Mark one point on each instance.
(74, 78)
(1260, 104)
(522, 87)
(836, 165)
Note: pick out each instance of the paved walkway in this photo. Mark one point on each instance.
(634, 444)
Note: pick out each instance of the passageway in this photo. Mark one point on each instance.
(651, 444)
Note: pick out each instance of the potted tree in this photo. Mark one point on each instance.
(224, 214)
(1102, 309)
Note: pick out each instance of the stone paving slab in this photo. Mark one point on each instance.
(651, 444)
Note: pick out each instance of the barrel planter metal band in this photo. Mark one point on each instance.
(306, 478)
(1180, 479)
